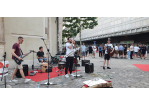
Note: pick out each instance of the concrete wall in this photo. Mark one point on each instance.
(32, 29)
(53, 35)
(29, 26)
(2, 38)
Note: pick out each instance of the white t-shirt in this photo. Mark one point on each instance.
(136, 49)
(107, 47)
(69, 50)
(116, 48)
(94, 48)
(131, 48)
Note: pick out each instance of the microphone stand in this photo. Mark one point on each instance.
(47, 83)
(3, 69)
(77, 76)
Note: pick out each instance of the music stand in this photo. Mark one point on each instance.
(47, 83)
(3, 69)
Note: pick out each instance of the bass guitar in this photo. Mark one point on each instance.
(109, 52)
(20, 61)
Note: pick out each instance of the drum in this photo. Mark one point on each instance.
(61, 65)
(44, 66)
(2, 64)
(5, 69)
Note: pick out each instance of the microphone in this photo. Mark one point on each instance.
(42, 38)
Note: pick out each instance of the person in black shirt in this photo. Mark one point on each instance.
(140, 46)
(103, 51)
(40, 55)
(90, 51)
(125, 51)
(143, 51)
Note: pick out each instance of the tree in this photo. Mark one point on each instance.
(74, 25)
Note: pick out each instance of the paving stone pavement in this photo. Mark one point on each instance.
(123, 75)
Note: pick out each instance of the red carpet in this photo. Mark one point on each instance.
(143, 67)
(44, 76)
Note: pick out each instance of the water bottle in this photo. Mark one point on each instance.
(38, 85)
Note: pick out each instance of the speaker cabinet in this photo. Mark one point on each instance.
(89, 68)
(25, 70)
(85, 61)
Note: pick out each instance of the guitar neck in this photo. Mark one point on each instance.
(25, 55)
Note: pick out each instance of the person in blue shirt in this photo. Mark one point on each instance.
(100, 51)
(121, 50)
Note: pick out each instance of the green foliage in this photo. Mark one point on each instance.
(73, 25)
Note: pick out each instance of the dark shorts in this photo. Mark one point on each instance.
(121, 52)
(83, 53)
(90, 52)
(136, 53)
(125, 53)
(143, 52)
(116, 52)
(106, 57)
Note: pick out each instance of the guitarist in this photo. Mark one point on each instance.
(16, 52)
(107, 57)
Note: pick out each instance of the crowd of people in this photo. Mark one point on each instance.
(120, 51)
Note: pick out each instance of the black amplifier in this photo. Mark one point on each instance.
(25, 70)
(85, 61)
(89, 68)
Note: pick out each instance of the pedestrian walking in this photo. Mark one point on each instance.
(94, 50)
(121, 50)
(131, 51)
(90, 51)
(116, 51)
(125, 51)
(143, 52)
(83, 50)
(136, 49)
(100, 51)
(128, 52)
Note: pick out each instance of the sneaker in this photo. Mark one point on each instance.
(141, 58)
(26, 80)
(67, 76)
(15, 81)
(103, 67)
(144, 58)
(72, 75)
(108, 68)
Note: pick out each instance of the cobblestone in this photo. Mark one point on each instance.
(123, 75)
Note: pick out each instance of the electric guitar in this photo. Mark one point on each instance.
(20, 61)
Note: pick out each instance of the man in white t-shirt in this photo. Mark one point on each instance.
(69, 59)
(131, 51)
(94, 50)
(107, 57)
(136, 49)
(116, 51)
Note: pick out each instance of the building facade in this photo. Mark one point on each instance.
(117, 28)
(32, 29)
